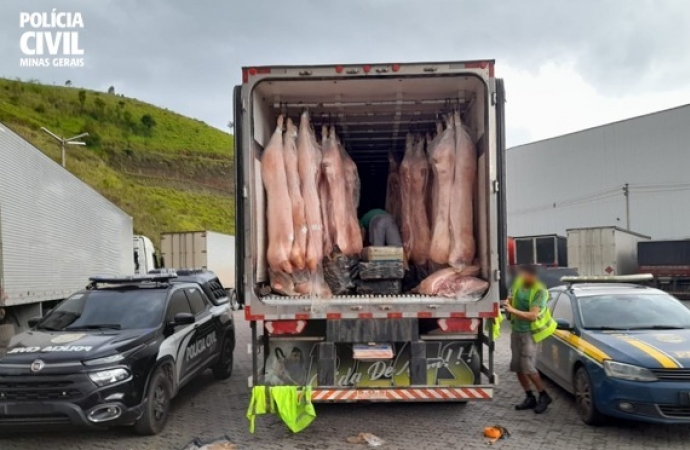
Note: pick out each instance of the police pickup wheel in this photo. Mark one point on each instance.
(223, 368)
(157, 405)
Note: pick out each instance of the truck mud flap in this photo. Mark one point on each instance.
(412, 394)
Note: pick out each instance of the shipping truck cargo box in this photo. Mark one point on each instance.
(669, 262)
(603, 251)
(201, 250)
(423, 347)
(544, 250)
(55, 232)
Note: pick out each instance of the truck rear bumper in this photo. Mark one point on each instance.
(407, 394)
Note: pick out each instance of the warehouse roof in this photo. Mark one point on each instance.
(584, 130)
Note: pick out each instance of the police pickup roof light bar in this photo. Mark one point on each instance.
(639, 278)
(186, 271)
(161, 277)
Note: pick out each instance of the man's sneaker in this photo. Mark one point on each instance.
(543, 403)
(530, 402)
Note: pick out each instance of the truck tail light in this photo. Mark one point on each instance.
(281, 327)
(458, 325)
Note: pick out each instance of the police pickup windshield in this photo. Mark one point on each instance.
(121, 309)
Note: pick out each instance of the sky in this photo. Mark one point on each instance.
(566, 65)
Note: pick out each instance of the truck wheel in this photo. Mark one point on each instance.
(584, 398)
(157, 405)
(223, 368)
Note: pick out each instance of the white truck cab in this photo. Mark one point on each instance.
(145, 257)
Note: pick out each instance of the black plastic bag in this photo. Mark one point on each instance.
(340, 270)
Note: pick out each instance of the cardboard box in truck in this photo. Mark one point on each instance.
(201, 250)
(436, 341)
(603, 251)
(55, 232)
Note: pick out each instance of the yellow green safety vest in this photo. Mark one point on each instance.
(292, 404)
(544, 326)
(496, 326)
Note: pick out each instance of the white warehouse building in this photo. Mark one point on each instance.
(579, 179)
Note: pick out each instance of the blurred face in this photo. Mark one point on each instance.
(528, 278)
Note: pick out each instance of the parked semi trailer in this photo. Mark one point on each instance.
(603, 251)
(55, 232)
(548, 250)
(669, 262)
(350, 348)
(202, 250)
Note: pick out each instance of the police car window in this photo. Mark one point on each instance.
(563, 308)
(178, 304)
(217, 289)
(196, 300)
(629, 311)
(124, 309)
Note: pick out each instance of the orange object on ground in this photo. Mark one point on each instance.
(495, 433)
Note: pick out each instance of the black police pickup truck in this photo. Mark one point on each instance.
(117, 352)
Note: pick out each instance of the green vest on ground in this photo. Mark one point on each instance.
(293, 405)
(544, 326)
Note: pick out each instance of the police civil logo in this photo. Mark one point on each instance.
(65, 338)
(51, 39)
(670, 338)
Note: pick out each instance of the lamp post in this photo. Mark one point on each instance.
(63, 141)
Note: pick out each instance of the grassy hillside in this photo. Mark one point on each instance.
(169, 172)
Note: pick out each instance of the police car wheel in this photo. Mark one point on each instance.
(157, 406)
(223, 368)
(584, 398)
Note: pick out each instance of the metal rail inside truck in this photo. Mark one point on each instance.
(441, 350)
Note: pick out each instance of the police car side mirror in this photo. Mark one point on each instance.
(183, 319)
(34, 321)
(563, 324)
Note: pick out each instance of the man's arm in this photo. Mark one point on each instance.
(530, 316)
(534, 311)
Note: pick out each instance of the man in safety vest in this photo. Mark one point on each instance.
(531, 323)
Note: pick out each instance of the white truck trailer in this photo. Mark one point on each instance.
(603, 251)
(55, 232)
(436, 348)
(201, 250)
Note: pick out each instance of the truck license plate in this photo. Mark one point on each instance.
(371, 394)
(372, 352)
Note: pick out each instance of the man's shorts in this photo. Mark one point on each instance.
(524, 353)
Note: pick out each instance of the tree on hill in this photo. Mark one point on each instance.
(68, 83)
(100, 106)
(82, 98)
(148, 121)
(111, 90)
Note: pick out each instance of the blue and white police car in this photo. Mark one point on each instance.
(622, 349)
(117, 352)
